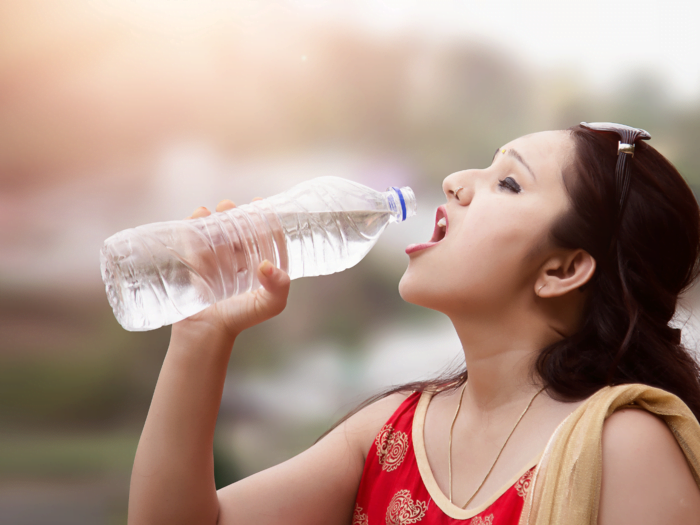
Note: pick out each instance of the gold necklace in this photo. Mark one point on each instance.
(452, 426)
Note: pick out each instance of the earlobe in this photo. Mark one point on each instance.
(564, 273)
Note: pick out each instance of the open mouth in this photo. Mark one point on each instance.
(441, 227)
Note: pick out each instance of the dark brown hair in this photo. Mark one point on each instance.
(644, 261)
(646, 255)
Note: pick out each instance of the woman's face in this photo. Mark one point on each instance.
(497, 234)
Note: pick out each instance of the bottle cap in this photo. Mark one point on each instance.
(406, 203)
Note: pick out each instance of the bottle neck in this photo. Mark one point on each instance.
(402, 203)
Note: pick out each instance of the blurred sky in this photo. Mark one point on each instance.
(604, 39)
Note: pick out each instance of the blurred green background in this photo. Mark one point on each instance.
(115, 113)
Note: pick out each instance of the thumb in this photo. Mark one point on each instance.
(275, 282)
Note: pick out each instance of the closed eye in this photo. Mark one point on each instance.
(510, 184)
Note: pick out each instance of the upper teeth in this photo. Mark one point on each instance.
(442, 222)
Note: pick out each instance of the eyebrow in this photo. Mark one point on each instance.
(516, 156)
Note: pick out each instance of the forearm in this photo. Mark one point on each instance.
(173, 476)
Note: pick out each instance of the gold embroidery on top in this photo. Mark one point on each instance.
(523, 484)
(403, 511)
(486, 520)
(358, 518)
(391, 447)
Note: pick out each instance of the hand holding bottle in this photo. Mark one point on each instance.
(235, 314)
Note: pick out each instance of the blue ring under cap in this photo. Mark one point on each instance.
(403, 202)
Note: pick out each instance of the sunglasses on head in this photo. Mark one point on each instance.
(625, 148)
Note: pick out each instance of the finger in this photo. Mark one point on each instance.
(272, 299)
(225, 205)
(274, 280)
(201, 212)
(257, 199)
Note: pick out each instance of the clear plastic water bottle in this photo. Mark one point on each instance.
(163, 272)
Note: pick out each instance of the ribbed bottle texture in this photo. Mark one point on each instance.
(160, 273)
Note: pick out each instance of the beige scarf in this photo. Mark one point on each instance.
(566, 483)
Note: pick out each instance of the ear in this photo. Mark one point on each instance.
(564, 272)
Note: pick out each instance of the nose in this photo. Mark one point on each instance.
(458, 186)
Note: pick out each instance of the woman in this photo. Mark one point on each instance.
(559, 266)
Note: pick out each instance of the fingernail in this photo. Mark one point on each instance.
(267, 268)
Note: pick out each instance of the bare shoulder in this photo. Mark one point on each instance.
(364, 426)
(646, 478)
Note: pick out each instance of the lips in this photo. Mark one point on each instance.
(438, 233)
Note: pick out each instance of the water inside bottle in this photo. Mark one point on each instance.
(164, 275)
(327, 242)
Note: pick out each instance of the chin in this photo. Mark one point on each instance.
(418, 293)
(404, 289)
(407, 290)
(442, 297)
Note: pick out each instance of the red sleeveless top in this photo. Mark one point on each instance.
(398, 488)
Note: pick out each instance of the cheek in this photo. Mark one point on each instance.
(499, 258)
(484, 264)
(501, 240)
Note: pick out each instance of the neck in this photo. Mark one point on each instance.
(500, 358)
